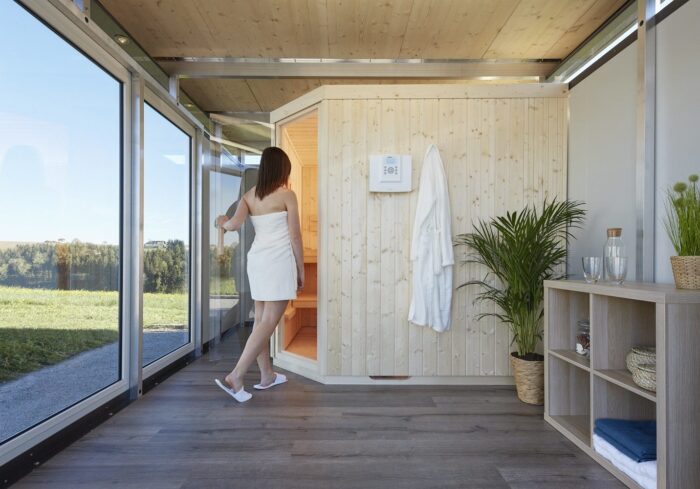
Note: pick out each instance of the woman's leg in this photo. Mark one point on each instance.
(257, 341)
(264, 363)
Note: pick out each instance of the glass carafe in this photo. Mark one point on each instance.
(615, 256)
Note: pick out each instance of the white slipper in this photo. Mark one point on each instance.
(240, 396)
(279, 379)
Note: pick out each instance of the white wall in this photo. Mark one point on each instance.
(602, 132)
(678, 114)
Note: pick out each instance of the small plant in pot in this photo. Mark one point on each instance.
(683, 228)
(520, 251)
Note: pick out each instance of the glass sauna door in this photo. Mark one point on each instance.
(229, 301)
(299, 138)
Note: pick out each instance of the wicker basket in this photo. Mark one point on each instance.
(529, 379)
(645, 376)
(639, 355)
(686, 271)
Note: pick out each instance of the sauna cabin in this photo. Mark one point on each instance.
(502, 146)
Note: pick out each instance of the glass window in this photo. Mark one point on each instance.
(60, 159)
(251, 159)
(226, 272)
(166, 261)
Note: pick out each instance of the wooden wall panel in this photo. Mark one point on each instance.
(374, 226)
(333, 228)
(499, 154)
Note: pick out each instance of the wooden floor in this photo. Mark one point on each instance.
(186, 433)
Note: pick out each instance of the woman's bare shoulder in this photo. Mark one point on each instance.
(249, 196)
(288, 193)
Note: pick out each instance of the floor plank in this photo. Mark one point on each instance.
(187, 434)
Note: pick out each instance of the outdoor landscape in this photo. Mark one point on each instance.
(58, 299)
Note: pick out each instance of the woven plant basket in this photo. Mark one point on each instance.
(645, 376)
(529, 379)
(639, 355)
(686, 271)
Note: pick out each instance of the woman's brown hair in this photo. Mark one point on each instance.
(274, 171)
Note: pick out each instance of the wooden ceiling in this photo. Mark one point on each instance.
(427, 29)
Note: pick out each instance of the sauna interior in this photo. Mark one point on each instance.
(299, 138)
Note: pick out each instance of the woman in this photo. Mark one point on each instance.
(275, 265)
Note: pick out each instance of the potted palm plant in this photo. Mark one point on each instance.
(520, 250)
(683, 228)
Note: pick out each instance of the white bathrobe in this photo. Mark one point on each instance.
(431, 248)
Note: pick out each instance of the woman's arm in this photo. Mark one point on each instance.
(295, 235)
(235, 223)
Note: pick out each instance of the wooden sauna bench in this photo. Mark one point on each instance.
(299, 335)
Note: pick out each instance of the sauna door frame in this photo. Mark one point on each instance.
(291, 360)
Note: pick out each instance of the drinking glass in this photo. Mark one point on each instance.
(616, 266)
(592, 268)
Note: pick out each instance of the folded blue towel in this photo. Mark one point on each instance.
(636, 439)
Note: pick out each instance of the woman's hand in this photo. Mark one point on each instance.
(221, 220)
(300, 282)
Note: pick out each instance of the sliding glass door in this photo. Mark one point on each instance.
(69, 206)
(60, 240)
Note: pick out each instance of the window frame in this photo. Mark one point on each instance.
(25, 440)
(73, 27)
(152, 99)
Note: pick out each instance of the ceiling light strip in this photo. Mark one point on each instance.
(631, 30)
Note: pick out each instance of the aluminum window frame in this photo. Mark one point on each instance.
(151, 98)
(66, 20)
(67, 30)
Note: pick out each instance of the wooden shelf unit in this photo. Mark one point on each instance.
(579, 390)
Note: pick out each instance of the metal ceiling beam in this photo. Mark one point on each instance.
(246, 116)
(228, 120)
(472, 69)
(226, 142)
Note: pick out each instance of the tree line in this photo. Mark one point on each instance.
(86, 266)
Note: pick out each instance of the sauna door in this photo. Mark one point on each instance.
(298, 137)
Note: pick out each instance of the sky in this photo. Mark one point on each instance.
(60, 145)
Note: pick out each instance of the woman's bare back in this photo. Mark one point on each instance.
(277, 201)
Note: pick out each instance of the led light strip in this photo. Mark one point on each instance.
(608, 48)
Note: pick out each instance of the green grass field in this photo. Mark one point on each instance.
(41, 327)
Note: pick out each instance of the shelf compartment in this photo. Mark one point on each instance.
(623, 378)
(617, 325)
(577, 425)
(573, 358)
(611, 400)
(568, 399)
(564, 309)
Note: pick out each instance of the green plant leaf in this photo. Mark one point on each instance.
(520, 250)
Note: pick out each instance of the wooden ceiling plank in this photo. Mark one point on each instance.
(367, 28)
(455, 29)
(221, 95)
(591, 20)
(535, 26)
(274, 93)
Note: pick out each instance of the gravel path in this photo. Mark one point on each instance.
(41, 394)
